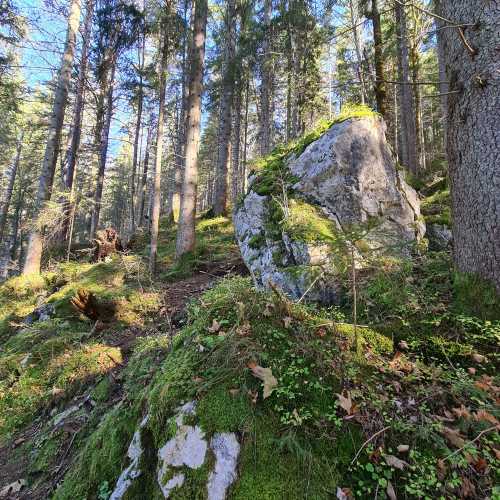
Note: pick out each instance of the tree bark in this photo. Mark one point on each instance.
(137, 134)
(10, 187)
(103, 151)
(224, 128)
(407, 108)
(473, 134)
(69, 205)
(144, 179)
(266, 84)
(378, 46)
(358, 50)
(186, 228)
(35, 244)
(236, 141)
(155, 211)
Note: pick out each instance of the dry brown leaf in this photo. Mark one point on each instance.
(14, 487)
(268, 311)
(403, 345)
(484, 415)
(266, 375)
(244, 330)
(453, 436)
(254, 395)
(480, 465)
(234, 392)
(461, 412)
(215, 326)
(344, 494)
(287, 321)
(471, 370)
(403, 448)
(345, 402)
(390, 491)
(468, 490)
(395, 462)
(442, 468)
(478, 358)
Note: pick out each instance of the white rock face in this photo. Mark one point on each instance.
(350, 176)
(132, 472)
(226, 450)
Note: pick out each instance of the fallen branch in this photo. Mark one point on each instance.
(368, 441)
(489, 429)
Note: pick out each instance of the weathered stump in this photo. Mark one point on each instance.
(107, 242)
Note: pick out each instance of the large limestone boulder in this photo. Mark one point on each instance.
(308, 212)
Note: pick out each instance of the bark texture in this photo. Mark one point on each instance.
(35, 244)
(472, 66)
(186, 227)
(407, 109)
(378, 46)
(266, 84)
(155, 212)
(224, 132)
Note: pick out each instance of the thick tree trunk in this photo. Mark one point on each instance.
(69, 205)
(443, 84)
(266, 84)
(224, 129)
(186, 228)
(473, 134)
(35, 245)
(155, 211)
(378, 45)
(103, 152)
(407, 108)
(4, 210)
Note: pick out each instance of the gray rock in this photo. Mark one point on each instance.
(350, 178)
(226, 450)
(133, 471)
(41, 313)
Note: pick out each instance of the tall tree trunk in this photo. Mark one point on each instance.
(226, 99)
(186, 228)
(155, 212)
(144, 179)
(266, 84)
(473, 134)
(103, 152)
(245, 135)
(4, 210)
(137, 134)
(443, 84)
(69, 205)
(378, 46)
(236, 141)
(35, 245)
(358, 49)
(417, 96)
(407, 108)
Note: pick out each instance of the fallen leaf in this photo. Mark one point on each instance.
(484, 415)
(234, 392)
(397, 386)
(345, 402)
(478, 358)
(442, 468)
(14, 487)
(453, 436)
(471, 370)
(197, 380)
(215, 326)
(468, 490)
(254, 395)
(321, 332)
(287, 321)
(244, 330)
(344, 494)
(268, 311)
(462, 412)
(480, 465)
(403, 448)
(395, 462)
(390, 491)
(266, 375)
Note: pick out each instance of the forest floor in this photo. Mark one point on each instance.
(404, 404)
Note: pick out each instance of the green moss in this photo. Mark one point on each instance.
(220, 411)
(257, 241)
(368, 337)
(306, 223)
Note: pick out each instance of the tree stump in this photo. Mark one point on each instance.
(106, 243)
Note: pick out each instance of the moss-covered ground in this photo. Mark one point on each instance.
(403, 401)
